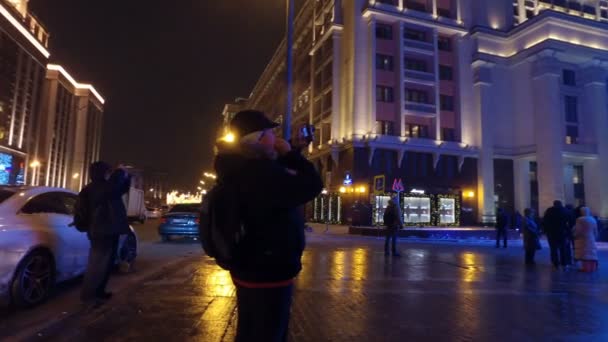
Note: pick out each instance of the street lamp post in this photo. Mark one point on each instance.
(289, 41)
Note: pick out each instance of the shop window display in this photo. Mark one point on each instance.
(447, 211)
(379, 208)
(416, 210)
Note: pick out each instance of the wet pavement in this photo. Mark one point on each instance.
(349, 291)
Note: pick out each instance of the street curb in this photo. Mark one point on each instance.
(36, 332)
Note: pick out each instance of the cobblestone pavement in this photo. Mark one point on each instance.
(349, 291)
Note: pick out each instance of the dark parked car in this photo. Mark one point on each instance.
(181, 220)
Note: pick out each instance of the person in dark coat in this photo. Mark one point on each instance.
(101, 210)
(502, 224)
(556, 223)
(273, 181)
(531, 232)
(392, 221)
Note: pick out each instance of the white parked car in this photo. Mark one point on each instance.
(153, 213)
(38, 247)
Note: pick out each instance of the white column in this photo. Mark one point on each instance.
(459, 11)
(484, 108)
(568, 184)
(522, 183)
(400, 5)
(595, 107)
(593, 192)
(337, 121)
(550, 132)
(437, 87)
(372, 73)
(434, 7)
(521, 11)
(400, 97)
(361, 77)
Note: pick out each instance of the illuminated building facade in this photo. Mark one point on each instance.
(69, 133)
(50, 125)
(496, 103)
(23, 59)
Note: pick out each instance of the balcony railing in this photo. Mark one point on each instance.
(414, 75)
(418, 45)
(426, 108)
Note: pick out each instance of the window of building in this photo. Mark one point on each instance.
(384, 94)
(578, 181)
(560, 3)
(415, 64)
(384, 62)
(444, 43)
(604, 14)
(384, 31)
(416, 131)
(447, 102)
(385, 127)
(418, 5)
(415, 95)
(529, 14)
(573, 5)
(445, 73)
(412, 34)
(444, 12)
(571, 104)
(569, 77)
(534, 200)
(589, 9)
(388, 2)
(571, 134)
(448, 134)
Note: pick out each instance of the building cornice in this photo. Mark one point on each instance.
(6, 13)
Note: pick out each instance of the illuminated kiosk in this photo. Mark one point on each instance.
(420, 209)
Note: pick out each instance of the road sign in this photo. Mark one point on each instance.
(398, 185)
(348, 180)
(379, 185)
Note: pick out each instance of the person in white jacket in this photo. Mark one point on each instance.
(585, 235)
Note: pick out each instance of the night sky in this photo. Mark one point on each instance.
(166, 68)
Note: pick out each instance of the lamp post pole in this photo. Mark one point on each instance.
(289, 65)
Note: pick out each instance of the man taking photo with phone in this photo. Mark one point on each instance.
(273, 180)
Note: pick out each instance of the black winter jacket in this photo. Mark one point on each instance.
(100, 206)
(556, 223)
(270, 193)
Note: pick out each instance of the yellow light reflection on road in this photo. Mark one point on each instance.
(359, 264)
(219, 284)
(470, 273)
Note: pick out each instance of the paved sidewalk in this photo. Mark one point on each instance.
(349, 291)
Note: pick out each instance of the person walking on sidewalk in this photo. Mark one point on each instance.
(392, 221)
(272, 180)
(101, 212)
(502, 224)
(585, 235)
(556, 224)
(531, 233)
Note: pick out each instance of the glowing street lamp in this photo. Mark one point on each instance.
(229, 138)
(76, 176)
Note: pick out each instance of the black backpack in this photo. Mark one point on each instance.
(221, 227)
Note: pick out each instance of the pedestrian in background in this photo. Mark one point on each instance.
(100, 211)
(502, 224)
(556, 223)
(585, 235)
(392, 221)
(530, 231)
(272, 181)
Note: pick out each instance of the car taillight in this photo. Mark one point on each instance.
(163, 220)
(197, 221)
